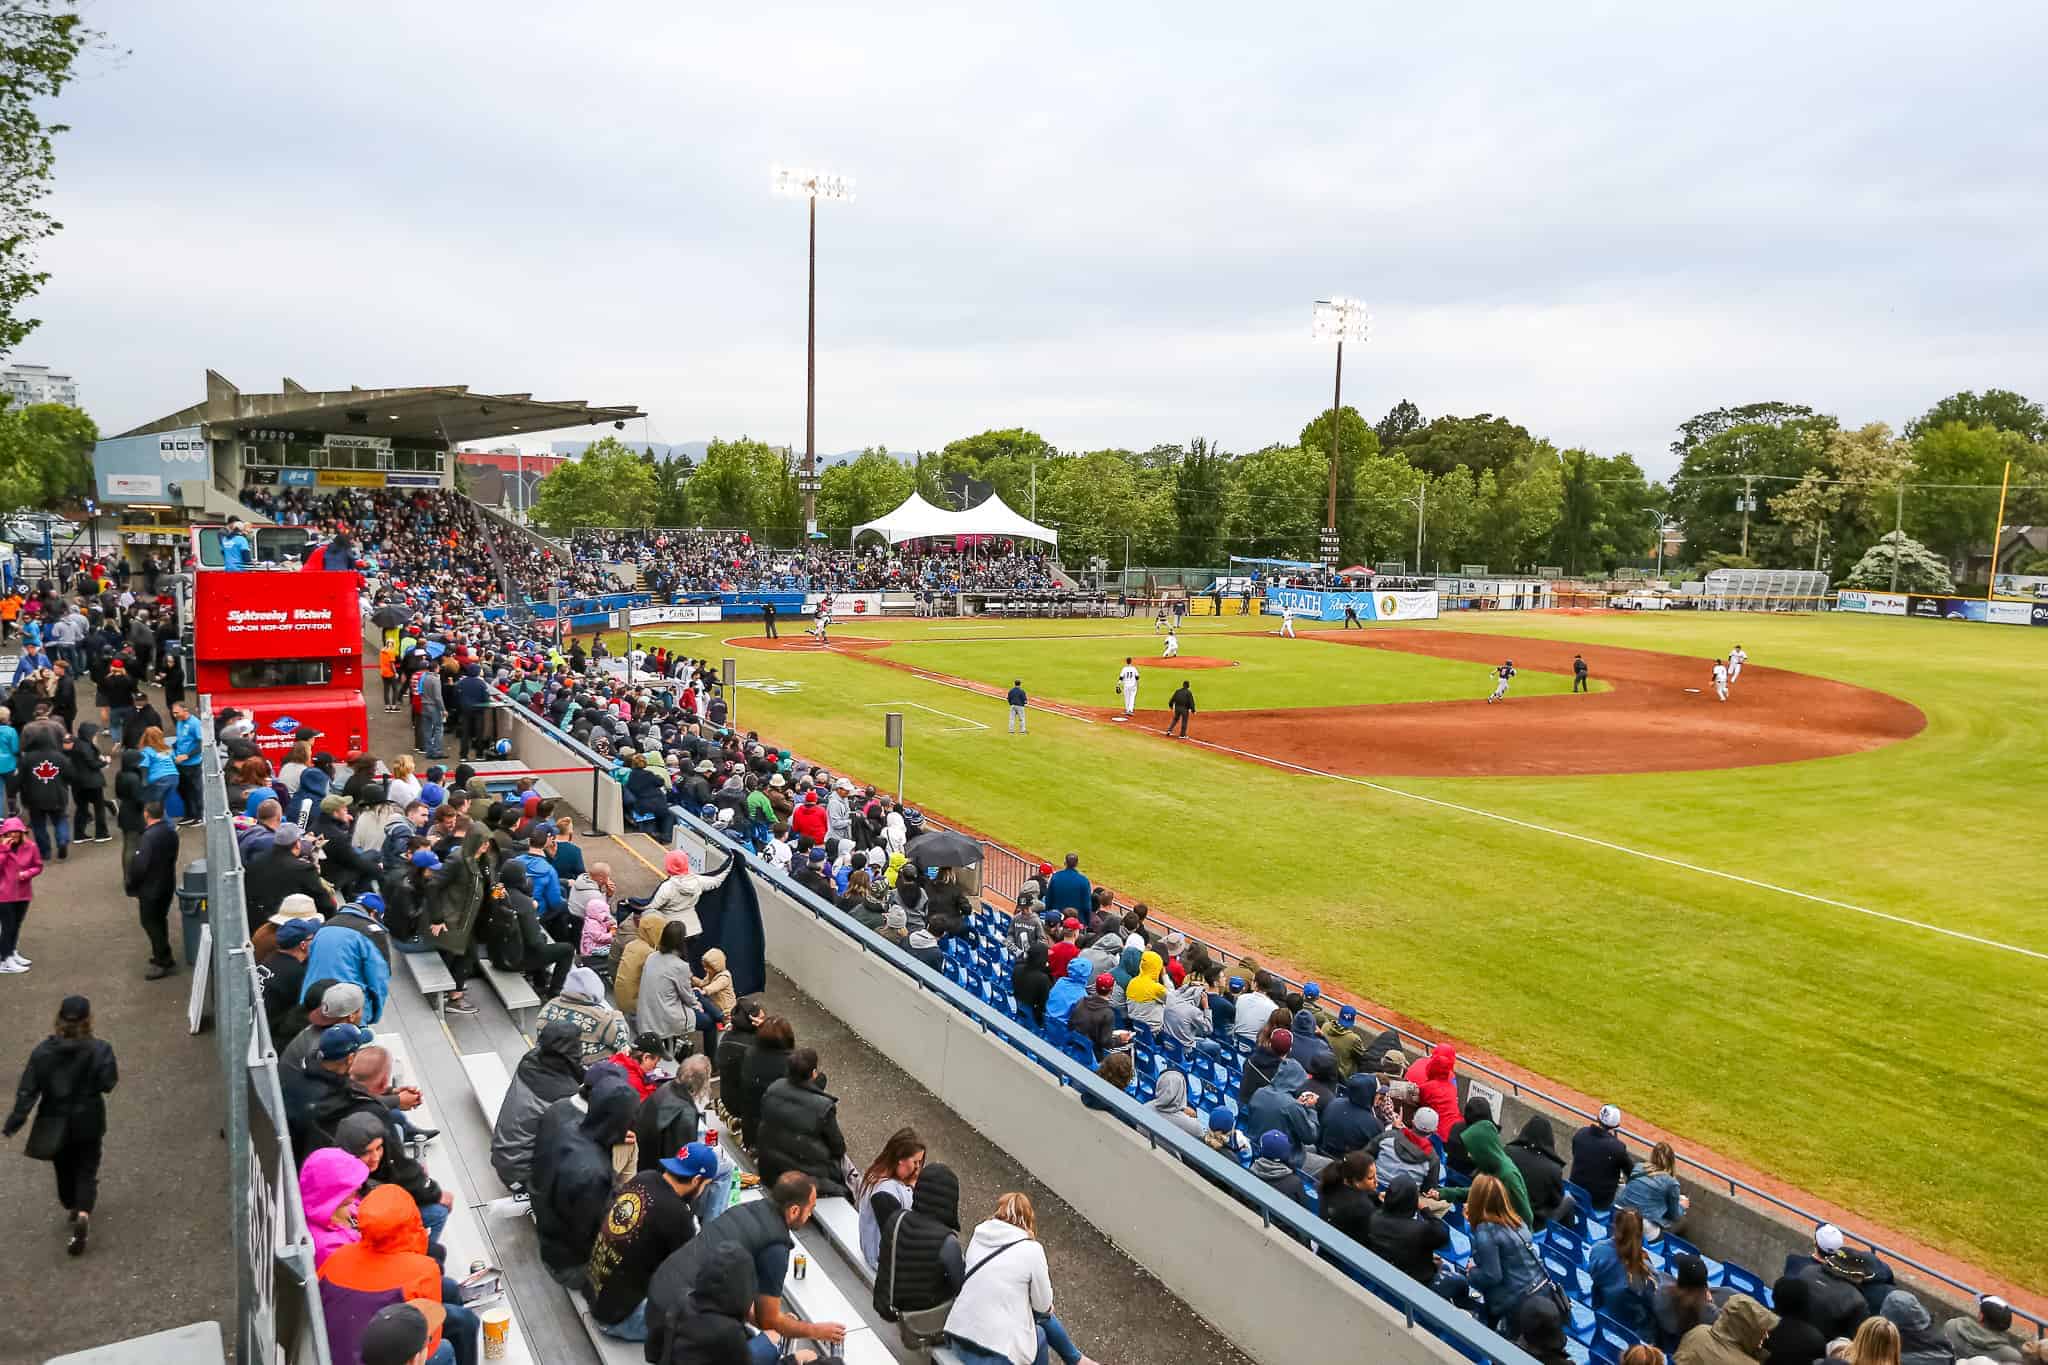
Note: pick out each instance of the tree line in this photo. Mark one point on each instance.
(1483, 489)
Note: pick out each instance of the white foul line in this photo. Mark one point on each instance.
(965, 723)
(1631, 852)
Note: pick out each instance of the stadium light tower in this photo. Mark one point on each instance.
(812, 185)
(1340, 320)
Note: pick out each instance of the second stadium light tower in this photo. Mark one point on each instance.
(1340, 320)
(812, 185)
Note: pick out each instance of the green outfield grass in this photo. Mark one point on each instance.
(1840, 1051)
(1269, 672)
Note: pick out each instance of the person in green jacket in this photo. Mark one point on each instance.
(1490, 1157)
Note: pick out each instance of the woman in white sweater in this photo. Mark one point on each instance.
(677, 896)
(1003, 1313)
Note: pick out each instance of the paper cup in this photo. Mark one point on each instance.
(497, 1325)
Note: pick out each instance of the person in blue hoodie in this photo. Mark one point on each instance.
(10, 759)
(1309, 1042)
(185, 742)
(551, 902)
(1278, 1107)
(1068, 991)
(346, 948)
(313, 788)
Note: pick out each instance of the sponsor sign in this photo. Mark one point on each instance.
(296, 478)
(845, 604)
(141, 468)
(184, 447)
(134, 485)
(413, 480)
(339, 442)
(2010, 613)
(1402, 606)
(1873, 603)
(1945, 608)
(350, 478)
(2040, 610)
(662, 616)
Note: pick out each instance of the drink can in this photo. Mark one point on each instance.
(802, 1264)
(711, 1137)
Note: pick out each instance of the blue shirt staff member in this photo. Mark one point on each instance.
(234, 545)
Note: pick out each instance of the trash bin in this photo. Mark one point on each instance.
(192, 907)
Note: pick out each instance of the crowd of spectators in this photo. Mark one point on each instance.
(682, 561)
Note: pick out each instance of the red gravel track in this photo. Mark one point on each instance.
(1646, 722)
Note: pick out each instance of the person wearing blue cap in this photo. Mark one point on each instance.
(1347, 1044)
(284, 970)
(1222, 1135)
(1275, 1165)
(650, 1217)
(321, 1086)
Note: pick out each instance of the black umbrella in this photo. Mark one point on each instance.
(943, 848)
(391, 615)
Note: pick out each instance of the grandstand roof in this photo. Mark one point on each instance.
(917, 519)
(435, 412)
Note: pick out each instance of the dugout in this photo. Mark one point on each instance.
(1763, 590)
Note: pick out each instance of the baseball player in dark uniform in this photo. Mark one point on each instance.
(1579, 673)
(1502, 676)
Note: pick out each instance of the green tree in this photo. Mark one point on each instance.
(1379, 522)
(1773, 441)
(45, 455)
(1096, 503)
(1580, 512)
(671, 488)
(1276, 507)
(871, 485)
(1199, 509)
(1359, 444)
(1518, 510)
(1403, 420)
(1919, 569)
(1002, 458)
(746, 484)
(1451, 527)
(608, 485)
(39, 42)
(1478, 443)
(1956, 520)
(2000, 409)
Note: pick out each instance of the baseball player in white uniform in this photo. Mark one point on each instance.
(1502, 677)
(1736, 659)
(1287, 622)
(824, 618)
(1721, 679)
(1127, 683)
(1172, 650)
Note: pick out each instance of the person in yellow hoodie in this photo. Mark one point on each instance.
(1145, 995)
(715, 992)
(646, 942)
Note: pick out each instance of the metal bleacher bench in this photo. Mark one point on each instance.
(512, 988)
(432, 976)
(839, 1220)
(488, 1081)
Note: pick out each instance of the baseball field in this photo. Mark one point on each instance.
(1800, 927)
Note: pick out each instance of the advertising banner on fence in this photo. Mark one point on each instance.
(1946, 608)
(664, 616)
(1402, 606)
(845, 605)
(2010, 613)
(1873, 603)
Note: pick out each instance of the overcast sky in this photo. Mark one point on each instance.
(1103, 221)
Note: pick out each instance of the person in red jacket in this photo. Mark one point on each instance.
(809, 819)
(1436, 1076)
(390, 1265)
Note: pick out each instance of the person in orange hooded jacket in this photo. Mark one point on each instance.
(391, 1265)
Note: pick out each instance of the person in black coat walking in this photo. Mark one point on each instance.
(152, 878)
(68, 1074)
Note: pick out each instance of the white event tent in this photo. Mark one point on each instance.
(917, 519)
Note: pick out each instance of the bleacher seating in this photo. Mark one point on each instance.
(981, 963)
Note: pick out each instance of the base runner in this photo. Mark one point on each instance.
(1502, 677)
(1127, 684)
(1737, 657)
(1721, 679)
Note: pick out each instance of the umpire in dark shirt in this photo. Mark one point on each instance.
(1182, 704)
(152, 878)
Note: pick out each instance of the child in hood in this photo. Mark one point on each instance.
(330, 1187)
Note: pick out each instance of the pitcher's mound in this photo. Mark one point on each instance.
(1187, 661)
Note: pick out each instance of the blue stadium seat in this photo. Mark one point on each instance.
(1673, 1246)
(1742, 1281)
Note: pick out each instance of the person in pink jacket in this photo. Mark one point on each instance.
(20, 865)
(330, 1183)
(590, 896)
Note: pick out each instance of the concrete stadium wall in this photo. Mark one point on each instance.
(537, 746)
(1263, 1290)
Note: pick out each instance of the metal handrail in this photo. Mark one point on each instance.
(1417, 1302)
(1734, 1183)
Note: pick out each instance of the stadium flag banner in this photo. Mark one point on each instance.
(845, 604)
(1872, 603)
(2011, 613)
(1318, 605)
(665, 616)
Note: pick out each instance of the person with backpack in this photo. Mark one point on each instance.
(68, 1077)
